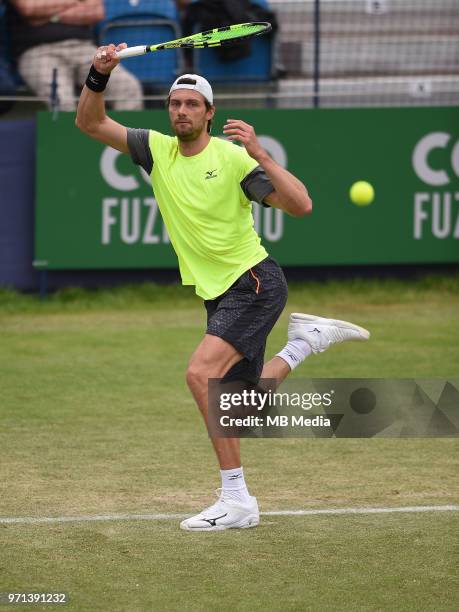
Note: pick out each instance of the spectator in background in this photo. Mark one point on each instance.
(199, 15)
(47, 34)
(207, 14)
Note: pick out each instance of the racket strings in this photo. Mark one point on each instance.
(229, 32)
(217, 36)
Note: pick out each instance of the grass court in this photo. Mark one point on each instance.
(96, 419)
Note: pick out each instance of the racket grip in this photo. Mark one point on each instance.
(131, 52)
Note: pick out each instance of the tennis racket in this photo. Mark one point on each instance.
(210, 38)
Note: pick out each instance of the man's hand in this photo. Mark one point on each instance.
(235, 129)
(105, 59)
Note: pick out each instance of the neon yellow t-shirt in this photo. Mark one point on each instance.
(207, 215)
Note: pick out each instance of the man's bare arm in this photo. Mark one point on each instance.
(91, 117)
(32, 9)
(85, 12)
(69, 12)
(289, 192)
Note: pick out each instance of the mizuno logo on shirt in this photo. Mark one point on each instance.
(210, 174)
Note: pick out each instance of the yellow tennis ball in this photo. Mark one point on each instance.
(362, 193)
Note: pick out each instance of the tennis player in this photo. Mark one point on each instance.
(204, 187)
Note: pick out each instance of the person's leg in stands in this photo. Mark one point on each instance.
(36, 69)
(124, 90)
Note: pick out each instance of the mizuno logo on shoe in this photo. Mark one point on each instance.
(212, 522)
(316, 330)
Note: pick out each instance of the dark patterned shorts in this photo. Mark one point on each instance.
(246, 313)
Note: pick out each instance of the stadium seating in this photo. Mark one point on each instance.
(258, 67)
(139, 23)
(8, 80)
(125, 8)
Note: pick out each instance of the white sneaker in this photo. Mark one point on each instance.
(320, 333)
(224, 514)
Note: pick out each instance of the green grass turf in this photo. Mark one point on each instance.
(95, 418)
(402, 562)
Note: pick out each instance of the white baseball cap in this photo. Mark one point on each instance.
(196, 83)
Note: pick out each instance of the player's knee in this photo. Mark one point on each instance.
(199, 372)
(195, 376)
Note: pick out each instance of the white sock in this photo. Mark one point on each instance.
(295, 352)
(233, 484)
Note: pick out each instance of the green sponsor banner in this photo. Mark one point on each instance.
(96, 209)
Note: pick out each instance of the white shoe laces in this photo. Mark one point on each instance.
(338, 334)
